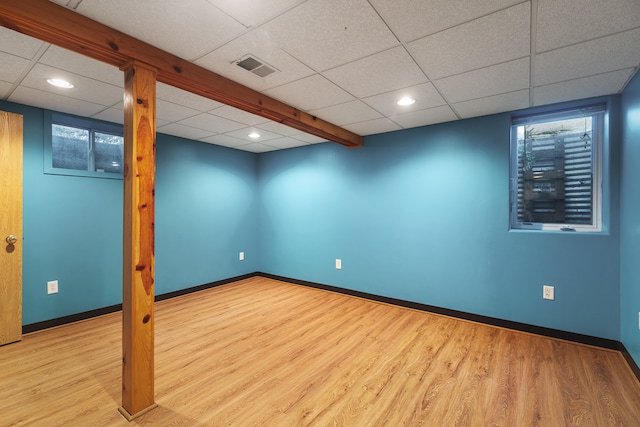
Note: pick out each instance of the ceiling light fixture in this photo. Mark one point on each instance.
(406, 101)
(254, 135)
(60, 83)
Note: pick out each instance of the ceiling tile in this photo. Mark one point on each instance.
(237, 115)
(184, 98)
(256, 148)
(12, 67)
(502, 78)
(244, 134)
(496, 38)
(349, 112)
(425, 117)
(413, 19)
(601, 84)
(307, 137)
(18, 44)
(326, 33)
(86, 89)
(493, 104)
(211, 123)
(426, 96)
(372, 127)
(171, 112)
(384, 71)
(224, 140)
(182, 131)
(63, 59)
(188, 29)
(565, 22)
(113, 115)
(253, 13)
(257, 43)
(53, 101)
(4, 89)
(310, 93)
(278, 128)
(286, 142)
(593, 57)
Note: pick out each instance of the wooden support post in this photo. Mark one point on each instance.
(138, 259)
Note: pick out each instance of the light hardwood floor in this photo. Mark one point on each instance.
(266, 353)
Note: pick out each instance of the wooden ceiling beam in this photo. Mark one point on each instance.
(63, 27)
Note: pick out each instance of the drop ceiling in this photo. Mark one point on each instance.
(347, 62)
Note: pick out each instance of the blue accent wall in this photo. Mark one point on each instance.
(630, 220)
(205, 215)
(422, 215)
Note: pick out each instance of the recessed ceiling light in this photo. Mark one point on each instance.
(60, 83)
(406, 101)
(254, 135)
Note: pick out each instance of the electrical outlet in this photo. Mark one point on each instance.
(52, 287)
(548, 292)
(241, 256)
(338, 264)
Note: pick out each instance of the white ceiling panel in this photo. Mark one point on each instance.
(188, 29)
(566, 22)
(224, 140)
(310, 93)
(12, 67)
(18, 44)
(184, 98)
(384, 71)
(496, 38)
(426, 96)
(244, 134)
(425, 117)
(371, 127)
(311, 139)
(493, 104)
(413, 19)
(187, 132)
(278, 128)
(257, 43)
(326, 33)
(237, 115)
(349, 112)
(285, 142)
(252, 13)
(171, 112)
(86, 89)
(501, 78)
(53, 101)
(258, 148)
(602, 55)
(63, 59)
(113, 115)
(211, 123)
(4, 89)
(601, 84)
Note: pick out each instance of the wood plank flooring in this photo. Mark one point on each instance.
(261, 352)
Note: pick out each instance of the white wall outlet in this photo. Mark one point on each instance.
(548, 292)
(52, 287)
(241, 256)
(338, 264)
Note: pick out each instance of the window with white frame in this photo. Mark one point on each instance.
(84, 145)
(556, 170)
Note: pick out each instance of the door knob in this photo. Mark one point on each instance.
(11, 239)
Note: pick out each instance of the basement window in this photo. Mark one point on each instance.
(83, 147)
(556, 171)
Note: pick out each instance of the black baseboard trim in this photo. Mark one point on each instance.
(508, 324)
(33, 327)
(632, 363)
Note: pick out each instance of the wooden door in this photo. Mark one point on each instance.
(10, 227)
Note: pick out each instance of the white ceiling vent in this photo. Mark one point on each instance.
(255, 65)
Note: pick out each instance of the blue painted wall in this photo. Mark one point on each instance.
(205, 215)
(630, 220)
(422, 215)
